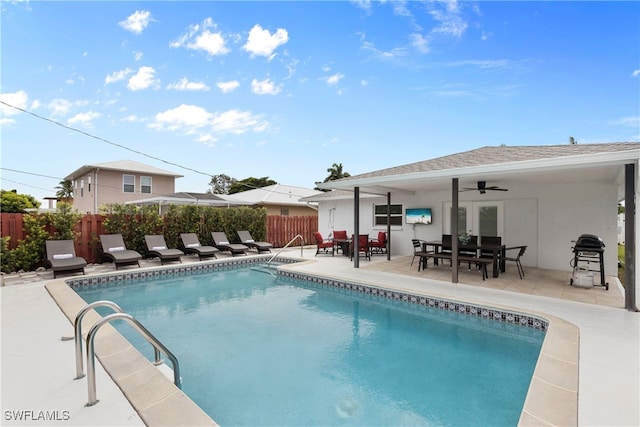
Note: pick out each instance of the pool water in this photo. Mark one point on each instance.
(255, 350)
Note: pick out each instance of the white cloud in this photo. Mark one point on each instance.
(185, 84)
(483, 64)
(229, 86)
(627, 121)
(264, 87)
(132, 119)
(449, 18)
(635, 73)
(143, 79)
(198, 37)
(262, 43)
(384, 55)
(237, 122)
(137, 56)
(18, 99)
(182, 117)
(334, 79)
(83, 119)
(59, 106)
(137, 21)
(205, 126)
(420, 43)
(117, 76)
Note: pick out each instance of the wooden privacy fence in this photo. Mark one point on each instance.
(280, 230)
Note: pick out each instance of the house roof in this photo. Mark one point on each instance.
(498, 165)
(336, 195)
(187, 198)
(121, 165)
(276, 194)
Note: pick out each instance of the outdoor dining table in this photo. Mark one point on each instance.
(345, 245)
(496, 250)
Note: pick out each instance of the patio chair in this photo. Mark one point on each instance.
(114, 249)
(61, 257)
(158, 248)
(340, 241)
(246, 239)
(323, 246)
(221, 242)
(469, 251)
(447, 247)
(418, 251)
(379, 245)
(521, 250)
(363, 246)
(192, 246)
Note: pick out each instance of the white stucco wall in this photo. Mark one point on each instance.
(546, 219)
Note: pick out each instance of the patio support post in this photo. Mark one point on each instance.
(630, 238)
(356, 226)
(389, 226)
(454, 230)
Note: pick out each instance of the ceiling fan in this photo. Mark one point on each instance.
(482, 188)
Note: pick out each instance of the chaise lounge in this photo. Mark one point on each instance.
(114, 249)
(246, 239)
(61, 257)
(158, 248)
(221, 242)
(192, 245)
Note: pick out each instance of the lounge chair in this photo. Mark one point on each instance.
(114, 249)
(246, 239)
(61, 257)
(192, 246)
(221, 242)
(158, 248)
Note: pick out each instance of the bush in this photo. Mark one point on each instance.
(30, 252)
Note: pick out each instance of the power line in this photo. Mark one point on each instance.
(119, 146)
(31, 173)
(26, 185)
(104, 140)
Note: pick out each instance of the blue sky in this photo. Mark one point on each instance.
(286, 89)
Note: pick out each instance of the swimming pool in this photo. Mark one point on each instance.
(330, 352)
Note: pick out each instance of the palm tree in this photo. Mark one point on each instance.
(65, 191)
(335, 172)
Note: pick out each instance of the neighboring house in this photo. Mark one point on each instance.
(555, 194)
(117, 182)
(278, 199)
(186, 198)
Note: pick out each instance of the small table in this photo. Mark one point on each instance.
(344, 244)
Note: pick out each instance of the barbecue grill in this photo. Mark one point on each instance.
(588, 253)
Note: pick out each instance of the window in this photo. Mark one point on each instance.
(145, 184)
(82, 188)
(89, 183)
(284, 211)
(129, 183)
(380, 215)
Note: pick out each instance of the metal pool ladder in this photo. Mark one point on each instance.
(119, 314)
(298, 236)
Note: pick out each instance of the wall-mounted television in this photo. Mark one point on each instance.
(418, 215)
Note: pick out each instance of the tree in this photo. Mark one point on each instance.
(220, 184)
(65, 190)
(249, 184)
(336, 171)
(12, 202)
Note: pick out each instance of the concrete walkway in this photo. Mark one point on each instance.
(38, 367)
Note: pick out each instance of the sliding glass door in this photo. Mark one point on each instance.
(477, 218)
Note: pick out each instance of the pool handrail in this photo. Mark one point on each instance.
(286, 246)
(77, 331)
(148, 336)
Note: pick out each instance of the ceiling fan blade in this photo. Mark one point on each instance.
(496, 189)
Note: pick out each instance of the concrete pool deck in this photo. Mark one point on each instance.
(38, 368)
